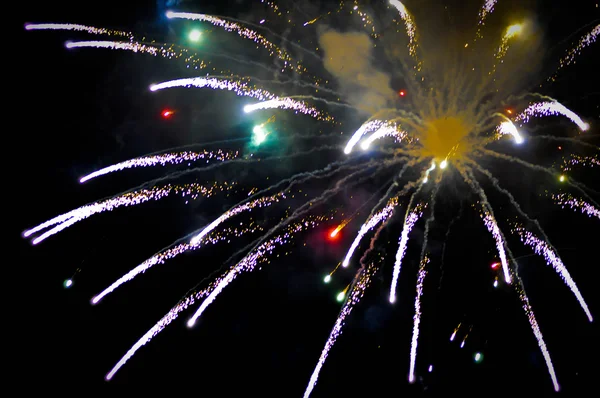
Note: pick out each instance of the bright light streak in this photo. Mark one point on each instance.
(260, 134)
(195, 35)
(513, 30)
(508, 127)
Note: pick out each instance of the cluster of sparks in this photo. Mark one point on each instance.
(564, 199)
(572, 54)
(429, 137)
(578, 160)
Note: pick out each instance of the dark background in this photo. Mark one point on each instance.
(81, 110)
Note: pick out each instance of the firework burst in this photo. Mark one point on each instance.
(448, 124)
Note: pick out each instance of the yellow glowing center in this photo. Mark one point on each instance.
(445, 137)
(513, 30)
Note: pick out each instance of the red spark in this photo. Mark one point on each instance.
(333, 234)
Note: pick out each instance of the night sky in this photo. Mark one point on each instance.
(86, 109)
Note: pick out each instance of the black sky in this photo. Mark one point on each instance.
(82, 110)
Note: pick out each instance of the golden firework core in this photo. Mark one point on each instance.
(445, 137)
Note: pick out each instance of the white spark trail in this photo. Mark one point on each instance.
(409, 223)
(492, 227)
(247, 264)
(538, 335)
(576, 204)
(409, 24)
(123, 45)
(240, 29)
(284, 103)
(367, 127)
(548, 108)
(507, 127)
(385, 131)
(77, 27)
(572, 54)
(543, 249)
(417, 319)
(127, 199)
(362, 281)
(162, 159)
(366, 227)
(194, 244)
(242, 89)
(155, 330)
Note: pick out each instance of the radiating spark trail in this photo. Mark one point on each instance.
(284, 103)
(492, 227)
(581, 188)
(537, 332)
(372, 125)
(194, 244)
(191, 299)
(510, 32)
(361, 282)
(385, 131)
(376, 218)
(239, 87)
(417, 318)
(489, 220)
(127, 199)
(486, 9)
(549, 108)
(508, 128)
(246, 264)
(584, 42)
(412, 216)
(365, 228)
(77, 27)
(264, 201)
(241, 30)
(410, 26)
(162, 159)
(543, 249)
(156, 329)
(576, 204)
(165, 51)
(366, 19)
(242, 89)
